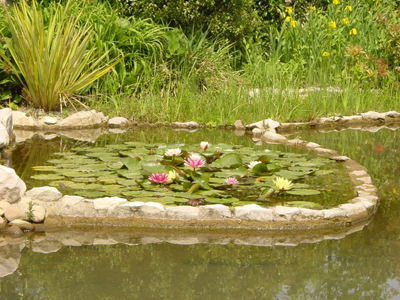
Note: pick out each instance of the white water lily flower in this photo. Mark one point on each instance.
(283, 184)
(204, 145)
(173, 152)
(253, 163)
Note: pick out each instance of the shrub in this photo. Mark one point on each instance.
(230, 19)
(51, 60)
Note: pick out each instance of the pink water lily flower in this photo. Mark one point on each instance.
(231, 181)
(195, 161)
(159, 178)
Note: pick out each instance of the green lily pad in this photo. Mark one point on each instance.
(47, 177)
(44, 168)
(90, 194)
(229, 160)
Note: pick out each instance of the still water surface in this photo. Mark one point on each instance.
(362, 265)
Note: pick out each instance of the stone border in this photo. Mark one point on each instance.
(114, 211)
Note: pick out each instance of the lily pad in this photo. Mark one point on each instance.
(47, 177)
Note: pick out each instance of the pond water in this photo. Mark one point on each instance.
(100, 175)
(362, 265)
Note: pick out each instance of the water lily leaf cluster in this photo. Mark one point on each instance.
(176, 174)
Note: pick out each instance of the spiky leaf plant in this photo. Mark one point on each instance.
(51, 53)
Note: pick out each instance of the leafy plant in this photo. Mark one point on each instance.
(52, 61)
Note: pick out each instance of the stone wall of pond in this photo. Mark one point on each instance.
(57, 211)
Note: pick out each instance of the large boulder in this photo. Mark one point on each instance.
(11, 186)
(5, 126)
(20, 119)
(84, 119)
(44, 193)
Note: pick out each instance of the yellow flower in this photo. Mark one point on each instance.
(336, 2)
(345, 21)
(294, 24)
(349, 8)
(313, 8)
(325, 54)
(287, 19)
(353, 31)
(283, 184)
(289, 10)
(332, 24)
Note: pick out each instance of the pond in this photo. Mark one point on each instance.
(364, 264)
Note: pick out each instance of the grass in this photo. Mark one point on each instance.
(170, 76)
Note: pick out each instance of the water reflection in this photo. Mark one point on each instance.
(362, 265)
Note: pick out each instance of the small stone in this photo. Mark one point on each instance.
(182, 212)
(14, 231)
(257, 132)
(118, 122)
(373, 115)
(88, 119)
(312, 145)
(361, 173)
(271, 125)
(153, 209)
(49, 120)
(274, 137)
(287, 212)
(339, 158)
(20, 119)
(393, 114)
(254, 212)
(11, 186)
(190, 124)
(39, 213)
(353, 208)
(325, 151)
(215, 211)
(23, 225)
(239, 124)
(45, 193)
(296, 142)
(259, 125)
(71, 200)
(334, 213)
(108, 202)
(3, 223)
(13, 212)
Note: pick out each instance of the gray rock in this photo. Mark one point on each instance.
(182, 212)
(23, 225)
(71, 200)
(3, 223)
(190, 124)
(44, 193)
(239, 124)
(118, 122)
(393, 114)
(108, 202)
(11, 186)
(6, 120)
(215, 211)
(3, 207)
(4, 136)
(14, 231)
(287, 212)
(274, 137)
(254, 212)
(334, 213)
(49, 120)
(20, 119)
(339, 158)
(84, 119)
(312, 145)
(153, 209)
(257, 132)
(13, 212)
(373, 115)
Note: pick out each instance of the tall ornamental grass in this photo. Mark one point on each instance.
(50, 53)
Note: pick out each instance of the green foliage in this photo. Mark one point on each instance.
(51, 60)
(232, 20)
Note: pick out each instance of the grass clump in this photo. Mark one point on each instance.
(51, 56)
